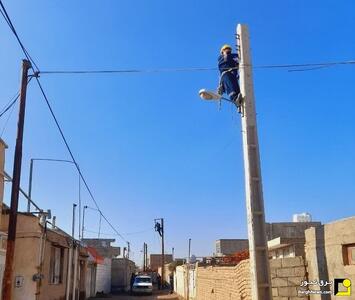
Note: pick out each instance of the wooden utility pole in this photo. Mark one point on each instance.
(259, 260)
(162, 254)
(7, 284)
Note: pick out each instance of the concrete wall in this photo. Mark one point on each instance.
(25, 262)
(90, 280)
(155, 260)
(103, 247)
(103, 276)
(121, 272)
(230, 246)
(292, 250)
(288, 229)
(180, 281)
(324, 253)
(2, 259)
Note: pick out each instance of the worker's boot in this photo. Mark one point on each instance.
(239, 101)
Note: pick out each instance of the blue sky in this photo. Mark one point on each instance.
(149, 147)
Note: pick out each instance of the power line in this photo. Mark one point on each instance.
(9, 22)
(306, 67)
(73, 158)
(7, 121)
(36, 72)
(126, 233)
(12, 102)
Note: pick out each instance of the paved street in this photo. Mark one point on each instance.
(157, 295)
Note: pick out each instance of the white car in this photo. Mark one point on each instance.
(142, 285)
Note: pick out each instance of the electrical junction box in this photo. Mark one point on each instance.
(19, 281)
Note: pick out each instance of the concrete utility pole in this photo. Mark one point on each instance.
(70, 257)
(259, 260)
(30, 187)
(159, 226)
(143, 257)
(83, 224)
(146, 256)
(188, 272)
(7, 284)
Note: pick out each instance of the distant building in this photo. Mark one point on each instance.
(230, 246)
(303, 217)
(288, 229)
(155, 260)
(103, 252)
(287, 239)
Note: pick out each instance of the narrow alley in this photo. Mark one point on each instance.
(157, 295)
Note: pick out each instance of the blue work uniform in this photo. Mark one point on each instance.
(229, 79)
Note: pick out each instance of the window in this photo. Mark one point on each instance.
(56, 265)
(143, 279)
(349, 254)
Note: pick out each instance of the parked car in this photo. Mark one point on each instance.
(142, 285)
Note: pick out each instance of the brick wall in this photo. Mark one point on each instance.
(233, 282)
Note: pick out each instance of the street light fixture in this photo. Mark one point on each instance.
(212, 96)
(52, 160)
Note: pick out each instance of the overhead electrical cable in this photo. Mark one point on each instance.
(291, 67)
(36, 72)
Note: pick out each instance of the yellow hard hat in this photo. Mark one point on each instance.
(226, 46)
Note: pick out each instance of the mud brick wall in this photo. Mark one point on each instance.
(233, 282)
(224, 283)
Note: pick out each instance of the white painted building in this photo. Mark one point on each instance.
(103, 276)
(102, 253)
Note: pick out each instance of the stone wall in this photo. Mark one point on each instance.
(233, 282)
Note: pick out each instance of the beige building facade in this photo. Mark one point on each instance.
(41, 261)
(330, 254)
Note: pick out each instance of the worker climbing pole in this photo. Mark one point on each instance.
(228, 65)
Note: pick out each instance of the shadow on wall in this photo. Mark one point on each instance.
(322, 263)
